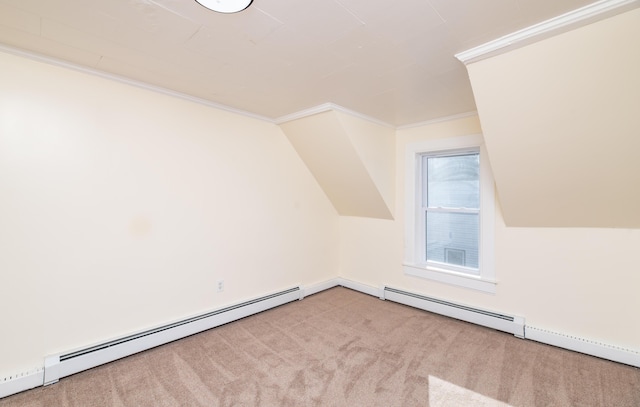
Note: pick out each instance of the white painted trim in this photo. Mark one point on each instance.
(325, 107)
(451, 278)
(586, 346)
(486, 281)
(363, 288)
(439, 120)
(362, 116)
(343, 282)
(318, 287)
(127, 81)
(554, 26)
(19, 383)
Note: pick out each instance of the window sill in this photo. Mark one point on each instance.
(450, 277)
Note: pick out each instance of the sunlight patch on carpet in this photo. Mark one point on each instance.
(445, 394)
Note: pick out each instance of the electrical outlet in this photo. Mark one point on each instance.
(220, 286)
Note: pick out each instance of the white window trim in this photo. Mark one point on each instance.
(485, 281)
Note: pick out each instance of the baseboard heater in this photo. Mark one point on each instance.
(59, 366)
(501, 322)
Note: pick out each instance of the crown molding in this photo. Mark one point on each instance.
(325, 107)
(557, 25)
(158, 89)
(132, 82)
(439, 120)
(165, 91)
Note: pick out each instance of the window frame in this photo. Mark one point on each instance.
(414, 241)
(423, 211)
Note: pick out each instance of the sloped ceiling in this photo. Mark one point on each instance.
(561, 121)
(392, 61)
(352, 159)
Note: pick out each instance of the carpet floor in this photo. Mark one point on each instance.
(344, 348)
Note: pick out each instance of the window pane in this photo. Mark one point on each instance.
(452, 238)
(452, 181)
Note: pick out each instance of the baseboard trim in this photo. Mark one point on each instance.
(319, 287)
(35, 378)
(363, 288)
(19, 383)
(343, 282)
(586, 346)
(589, 347)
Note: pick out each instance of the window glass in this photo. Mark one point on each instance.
(452, 238)
(451, 181)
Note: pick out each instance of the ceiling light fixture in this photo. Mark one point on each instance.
(225, 6)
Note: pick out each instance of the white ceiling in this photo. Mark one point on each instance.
(390, 60)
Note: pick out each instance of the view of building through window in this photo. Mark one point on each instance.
(451, 204)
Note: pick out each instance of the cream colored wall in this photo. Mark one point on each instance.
(120, 209)
(575, 281)
(561, 122)
(375, 145)
(339, 155)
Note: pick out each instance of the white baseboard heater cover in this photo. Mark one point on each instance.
(589, 347)
(21, 382)
(61, 365)
(501, 322)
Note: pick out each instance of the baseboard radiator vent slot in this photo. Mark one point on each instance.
(62, 365)
(501, 322)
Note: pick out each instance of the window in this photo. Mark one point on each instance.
(450, 210)
(450, 213)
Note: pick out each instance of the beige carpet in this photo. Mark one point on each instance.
(344, 348)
